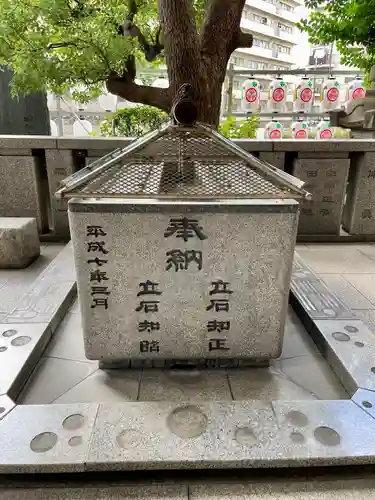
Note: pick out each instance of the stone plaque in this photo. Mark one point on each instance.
(180, 283)
(359, 211)
(326, 181)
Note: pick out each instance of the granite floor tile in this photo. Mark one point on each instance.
(364, 283)
(313, 374)
(346, 292)
(338, 261)
(129, 492)
(339, 489)
(105, 386)
(184, 385)
(21, 347)
(6, 405)
(265, 384)
(164, 434)
(368, 317)
(52, 438)
(297, 341)
(367, 249)
(67, 341)
(52, 378)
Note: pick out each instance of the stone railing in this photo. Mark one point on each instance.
(340, 175)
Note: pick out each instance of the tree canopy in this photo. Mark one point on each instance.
(61, 44)
(348, 23)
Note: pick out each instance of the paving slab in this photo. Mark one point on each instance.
(337, 489)
(6, 405)
(364, 283)
(327, 261)
(349, 348)
(52, 378)
(55, 438)
(346, 292)
(184, 385)
(323, 430)
(226, 435)
(365, 400)
(133, 492)
(21, 346)
(48, 299)
(111, 386)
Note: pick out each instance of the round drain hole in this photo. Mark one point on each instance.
(43, 442)
(245, 436)
(187, 422)
(129, 438)
(373, 369)
(341, 336)
(351, 329)
(2, 409)
(19, 341)
(327, 436)
(10, 333)
(366, 404)
(297, 418)
(73, 422)
(75, 441)
(297, 437)
(3, 348)
(359, 344)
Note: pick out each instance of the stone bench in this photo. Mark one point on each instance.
(19, 242)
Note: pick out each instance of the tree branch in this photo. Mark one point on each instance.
(127, 89)
(180, 41)
(221, 27)
(244, 39)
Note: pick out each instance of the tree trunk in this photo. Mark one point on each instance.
(198, 59)
(23, 115)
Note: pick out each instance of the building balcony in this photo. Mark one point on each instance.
(257, 51)
(287, 15)
(284, 35)
(263, 5)
(254, 27)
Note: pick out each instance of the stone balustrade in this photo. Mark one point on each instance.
(340, 174)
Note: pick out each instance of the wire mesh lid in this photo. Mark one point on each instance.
(192, 162)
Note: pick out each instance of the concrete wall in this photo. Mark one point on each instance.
(340, 174)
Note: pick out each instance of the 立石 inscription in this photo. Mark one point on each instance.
(183, 286)
(99, 292)
(150, 289)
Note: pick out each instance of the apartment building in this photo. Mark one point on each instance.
(276, 40)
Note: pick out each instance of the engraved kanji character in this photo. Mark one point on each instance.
(148, 288)
(185, 228)
(96, 246)
(366, 214)
(149, 346)
(99, 302)
(148, 326)
(219, 326)
(217, 345)
(218, 305)
(98, 276)
(220, 286)
(100, 290)
(98, 262)
(148, 306)
(95, 231)
(181, 260)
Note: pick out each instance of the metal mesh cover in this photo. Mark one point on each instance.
(181, 162)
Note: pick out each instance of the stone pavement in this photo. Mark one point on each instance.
(64, 375)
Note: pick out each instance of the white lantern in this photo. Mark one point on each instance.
(356, 89)
(303, 95)
(161, 82)
(108, 101)
(330, 94)
(82, 128)
(250, 95)
(54, 129)
(273, 130)
(278, 93)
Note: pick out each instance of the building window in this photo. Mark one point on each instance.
(284, 27)
(238, 61)
(236, 84)
(261, 43)
(258, 19)
(283, 49)
(287, 7)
